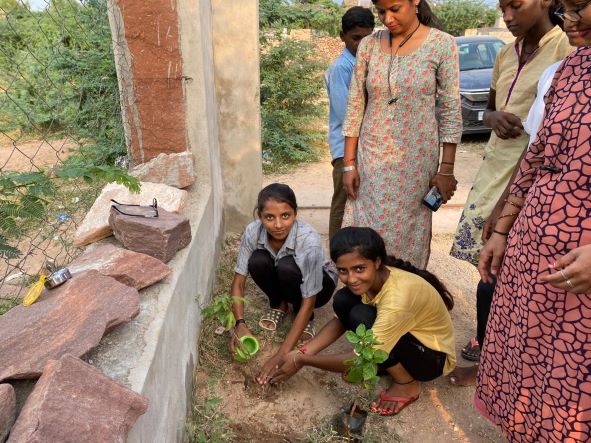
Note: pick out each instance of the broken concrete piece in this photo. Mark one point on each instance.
(74, 402)
(160, 237)
(171, 169)
(95, 225)
(7, 410)
(70, 319)
(130, 268)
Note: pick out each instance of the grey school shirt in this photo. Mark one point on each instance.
(302, 242)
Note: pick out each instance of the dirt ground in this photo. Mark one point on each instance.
(301, 408)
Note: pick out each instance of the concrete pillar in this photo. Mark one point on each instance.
(236, 67)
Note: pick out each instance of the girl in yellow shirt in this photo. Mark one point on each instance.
(407, 308)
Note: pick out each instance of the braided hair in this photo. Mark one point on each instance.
(368, 243)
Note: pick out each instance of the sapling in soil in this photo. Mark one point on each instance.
(364, 373)
(221, 309)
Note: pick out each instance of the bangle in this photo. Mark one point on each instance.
(348, 168)
(445, 175)
(448, 163)
(240, 320)
(509, 202)
(507, 215)
(294, 362)
(504, 234)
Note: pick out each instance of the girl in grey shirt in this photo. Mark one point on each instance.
(285, 259)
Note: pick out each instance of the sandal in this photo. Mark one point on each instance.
(309, 331)
(471, 351)
(403, 401)
(273, 316)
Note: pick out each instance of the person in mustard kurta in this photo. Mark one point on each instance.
(407, 308)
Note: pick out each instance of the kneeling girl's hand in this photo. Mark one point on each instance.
(237, 333)
(289, 367)
(272, 365)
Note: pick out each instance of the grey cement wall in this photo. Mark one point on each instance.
(156, 353)
(236, 62)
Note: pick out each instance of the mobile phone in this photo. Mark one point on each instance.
(433, 199)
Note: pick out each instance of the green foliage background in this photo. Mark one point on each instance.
(57, 81)
(456, 16)
(291, 79)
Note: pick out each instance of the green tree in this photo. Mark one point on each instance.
(291, 82)
(456, 16)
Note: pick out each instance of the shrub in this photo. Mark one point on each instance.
(456, 16)
(291, 83)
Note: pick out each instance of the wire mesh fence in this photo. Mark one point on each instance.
(60, 126)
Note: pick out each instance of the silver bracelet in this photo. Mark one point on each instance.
(348, 168)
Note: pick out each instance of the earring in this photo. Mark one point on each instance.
(416, 9)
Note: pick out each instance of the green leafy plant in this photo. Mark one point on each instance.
(23, 196)
(364, 366)
(456, 16)
(206, 422)
(221, 309)
(291, 84)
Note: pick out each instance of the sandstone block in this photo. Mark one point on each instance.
(74, 402)
(70, 319)
(7, 410)
(160, 237)
(171, 169)
(95, 225)
(130, 268)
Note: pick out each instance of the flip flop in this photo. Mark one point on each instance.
(403, 401)
(273, 316)
(471, 351)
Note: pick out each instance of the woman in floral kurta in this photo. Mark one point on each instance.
(398, 147)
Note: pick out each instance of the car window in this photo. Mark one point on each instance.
(478, 55)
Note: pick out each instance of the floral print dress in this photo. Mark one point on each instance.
(398, 148)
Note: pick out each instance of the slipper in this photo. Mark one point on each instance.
(309, 331)
(471, 351)
(404, 401)
(273, 316)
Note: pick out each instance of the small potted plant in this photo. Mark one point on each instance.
(364, 373)
(221, 309)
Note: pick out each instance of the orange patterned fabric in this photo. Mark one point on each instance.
(535, 374)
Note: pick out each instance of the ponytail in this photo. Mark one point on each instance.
(425, 275)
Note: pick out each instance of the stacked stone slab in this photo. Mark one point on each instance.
(7, 409)
(70, 319)
(160, 237)
(74, 402)
(130, 268)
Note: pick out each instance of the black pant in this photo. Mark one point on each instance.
(484, 295)
(421, 362)
(281, 283)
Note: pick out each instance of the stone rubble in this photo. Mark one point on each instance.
(128, 267)
(176, 170)
(160, 237)
(95, 225)
(74, 402)
(70, 319)
(7, 409)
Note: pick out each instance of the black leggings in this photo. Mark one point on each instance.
(421, 362)
(484, 295)
(282, 283)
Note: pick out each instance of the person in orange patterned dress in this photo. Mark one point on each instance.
(392, 133)
(534, 379)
